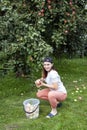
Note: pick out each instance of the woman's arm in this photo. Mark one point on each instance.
(52, 86)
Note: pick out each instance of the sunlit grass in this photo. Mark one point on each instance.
(71, 116)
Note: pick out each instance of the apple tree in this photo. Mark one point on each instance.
(33, 29)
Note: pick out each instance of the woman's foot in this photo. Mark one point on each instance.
(52, 113)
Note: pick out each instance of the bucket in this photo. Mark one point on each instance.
(31, 108)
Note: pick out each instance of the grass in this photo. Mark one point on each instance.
(71, 116)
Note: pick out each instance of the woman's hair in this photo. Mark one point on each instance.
(44, 73)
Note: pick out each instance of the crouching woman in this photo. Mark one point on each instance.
(54, 91)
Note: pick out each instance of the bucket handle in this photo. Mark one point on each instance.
(32, 111)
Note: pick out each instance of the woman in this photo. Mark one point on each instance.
(54, 90)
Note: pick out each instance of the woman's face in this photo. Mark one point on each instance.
(47, 66)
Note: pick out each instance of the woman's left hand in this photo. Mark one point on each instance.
(41, 83)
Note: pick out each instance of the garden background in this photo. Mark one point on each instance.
(29, 31)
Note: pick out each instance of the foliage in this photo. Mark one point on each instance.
(20, 39)
(71, 116)
(33, 29)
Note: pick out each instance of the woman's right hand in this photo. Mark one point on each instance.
(38, 83)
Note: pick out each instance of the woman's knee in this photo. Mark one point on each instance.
(50, 95)
(39, 94)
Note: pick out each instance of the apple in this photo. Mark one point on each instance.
(66, 31)
(39, 13)
(70, 3)
(80, 98)
(68, 14)
(42, 11)
(49, 7)
(48, 1)
(73, 12)
(65, 21)
(42, 14)
(75, 100)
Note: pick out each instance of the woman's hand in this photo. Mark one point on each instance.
(41, 83)
(38, 83)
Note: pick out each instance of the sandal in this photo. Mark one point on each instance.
(50, 115)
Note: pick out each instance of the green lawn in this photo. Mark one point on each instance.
(71, 116)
